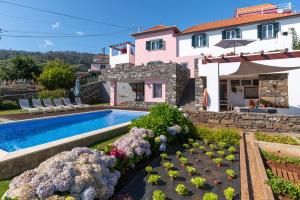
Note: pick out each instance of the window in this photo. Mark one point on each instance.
(199, 40)
(157, 90)
(154, 45)
(235, 83)
(266, 31)
(246, 82)
(185, 64)
(231, 34)
(255, 82)
(251, 93)
(158, 62)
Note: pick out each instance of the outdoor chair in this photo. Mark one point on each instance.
(38, 104)
(48, 103)
(67, 102)
(24, 104)
(58, 102)
(79, 102)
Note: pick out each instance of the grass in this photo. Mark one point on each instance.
(3, 187)
(283, 139)
(11, 112)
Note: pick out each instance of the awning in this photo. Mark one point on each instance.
(251, 68)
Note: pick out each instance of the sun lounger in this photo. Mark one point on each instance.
(24, 104)
(58, 102)
(48, 102)
(79, 102)
(38, 104)
(67, 102)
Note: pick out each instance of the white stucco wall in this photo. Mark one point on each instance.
(247, 32)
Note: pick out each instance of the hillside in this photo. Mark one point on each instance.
(79, 61)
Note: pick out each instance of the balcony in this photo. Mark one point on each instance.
(122, 54)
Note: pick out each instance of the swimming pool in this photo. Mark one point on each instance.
(29, 133)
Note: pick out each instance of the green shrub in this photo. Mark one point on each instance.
(221, 153)
(222, 145)
(198, 181)
(280, 159)
(173, 173)
(212, 146)
(179, 154)
(161, 117)
(168, 165)
(210, 196)
(196, 144)
(230, 157)
(186, 146)
(281, 187)
(202, 148)
(229, 193)
(181, 189)
(205, 133)
(70, 198)
(192, 150)
(209, 154)
(190, 169)
(158, 195)
(164, 156)
(283, 139)
(8, 105)
(183, 160)
(153, 179)
(218, 161)
(191, 140)
(149, 169)
(230, 173)
(51, 94)
(232, 149)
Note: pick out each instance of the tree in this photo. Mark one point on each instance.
(20, 68)
(57, 74)
(295, 39)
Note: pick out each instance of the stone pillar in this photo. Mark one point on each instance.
(199, 87)
(113, 93)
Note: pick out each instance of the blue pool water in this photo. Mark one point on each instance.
(19, 135)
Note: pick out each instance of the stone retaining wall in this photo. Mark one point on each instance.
(249, 121)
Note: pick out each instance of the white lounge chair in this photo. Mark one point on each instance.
(24, 104)
(48, 103)
(38, 104)
(79, 102)
(58, 102)
(67, 102)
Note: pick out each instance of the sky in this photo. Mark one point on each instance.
(112, 20)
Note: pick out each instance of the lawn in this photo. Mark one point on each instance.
(11, 112)
(3, 187)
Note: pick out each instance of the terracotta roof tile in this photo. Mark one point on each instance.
(236, 21)
(158, 28)
(255, 8)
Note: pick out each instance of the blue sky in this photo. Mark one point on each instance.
(127, 13)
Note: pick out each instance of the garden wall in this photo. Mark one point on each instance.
(250, 121)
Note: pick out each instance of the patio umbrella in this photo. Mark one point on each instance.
(77, 88)
(232, 43)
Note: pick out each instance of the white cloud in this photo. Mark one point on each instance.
(55, 25)
(46, 44)
(80, 33)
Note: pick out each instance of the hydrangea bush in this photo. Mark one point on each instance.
(81, 172)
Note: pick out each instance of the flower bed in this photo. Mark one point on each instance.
(275, 138)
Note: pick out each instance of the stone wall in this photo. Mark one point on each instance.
(273, 88)
(91, 93)
(139, 104)
(249, 121)
(176, 76)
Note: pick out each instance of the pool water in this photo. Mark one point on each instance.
(24, 134)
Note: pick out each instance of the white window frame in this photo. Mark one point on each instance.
(199, 40)
(154, 93)
(231, 34)
(154, 45)
(266, 32)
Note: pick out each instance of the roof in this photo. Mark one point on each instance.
(237, 21)
(100, 55)
(256, 8)
(158, 28)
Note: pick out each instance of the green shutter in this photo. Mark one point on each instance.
(223, 35)
(205, 40)
(160, 43)
(148, 45)
(276, 29)
(194, 41)
(238, 33)
(259, 32)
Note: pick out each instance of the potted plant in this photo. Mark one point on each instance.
(230, 157)
(222, 145)
(158, 195)
(230, 174)
(190, 170)
(178, 154)
(209, 154)
(173, 174)
(153, 179)
(164, 156)
(186, 146)
(192, 150)
(229, 193)
(218, 161)
(168, 165)
(149, 169)
(232, 149)
(221, 153)
(233, 89)
(198, 181)
(210, 196)
(181, 189)
(183, 161)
